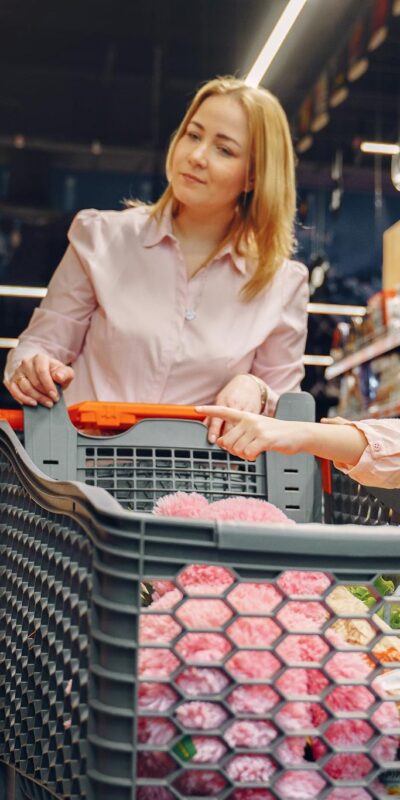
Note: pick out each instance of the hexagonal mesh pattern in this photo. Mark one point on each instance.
(290, 682)
(45, 579)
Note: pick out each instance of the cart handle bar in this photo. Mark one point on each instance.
(110, 416)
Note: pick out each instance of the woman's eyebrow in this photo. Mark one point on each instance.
(219, 135)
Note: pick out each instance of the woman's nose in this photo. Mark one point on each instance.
(199, 154)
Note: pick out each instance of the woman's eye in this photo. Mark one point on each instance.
(225, 150)
(193, 136)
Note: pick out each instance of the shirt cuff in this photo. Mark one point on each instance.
(379, 464)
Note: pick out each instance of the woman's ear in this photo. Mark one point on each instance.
(249, 185)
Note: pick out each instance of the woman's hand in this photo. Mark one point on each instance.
(243, 393)
(251, 434)
(34, 381)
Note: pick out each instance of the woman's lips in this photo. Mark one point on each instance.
(191, 178)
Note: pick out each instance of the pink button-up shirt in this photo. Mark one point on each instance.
(379, 464)
(121, 310)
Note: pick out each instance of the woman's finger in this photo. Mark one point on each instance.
(215, 429)
(230, 439)
(19, 396)
(41, 366)
(25, 385)
(63, 375)
(221, 412)
(36, 370)
(245, 447)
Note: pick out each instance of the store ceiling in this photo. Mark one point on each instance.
(121, 71)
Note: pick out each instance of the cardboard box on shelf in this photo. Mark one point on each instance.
(391, 257)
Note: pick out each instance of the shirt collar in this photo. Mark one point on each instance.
(156, 230)
(237, 260)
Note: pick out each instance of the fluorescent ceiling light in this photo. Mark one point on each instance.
(274, 41)
(23, 291)
(317, 361)
(304, 144)
(336, 308)
(380, 148)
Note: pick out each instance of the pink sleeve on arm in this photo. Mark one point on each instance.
(279, 361)
(59, 325)
(379, 464)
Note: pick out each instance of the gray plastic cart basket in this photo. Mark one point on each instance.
(85, 712)
(159, 456)
(349, 502)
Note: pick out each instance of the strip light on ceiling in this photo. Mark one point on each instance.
(274, 41)
(317, 361)
(23, 291)
(313, 308)
(380, 148)
(338, 309)
(322, 361)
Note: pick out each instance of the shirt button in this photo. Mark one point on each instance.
(376, 446)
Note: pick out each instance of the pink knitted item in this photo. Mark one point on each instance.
(181, 504)
(238, 509)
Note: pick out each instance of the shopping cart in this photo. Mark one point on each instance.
(284, 681)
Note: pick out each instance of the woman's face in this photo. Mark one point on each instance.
(210, 164)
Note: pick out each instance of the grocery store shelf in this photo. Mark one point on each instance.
(381, 410)
(374, 411)
(376, 348)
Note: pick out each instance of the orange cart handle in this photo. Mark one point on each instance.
(120, 416)
(110, 416)
(14, 416)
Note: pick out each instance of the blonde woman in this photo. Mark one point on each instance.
(192, 299)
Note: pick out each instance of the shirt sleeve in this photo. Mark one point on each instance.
(58, 326)
(279, 360)
(379, 464)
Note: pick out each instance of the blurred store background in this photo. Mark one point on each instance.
(91, 91)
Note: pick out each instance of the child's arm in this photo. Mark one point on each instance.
(251, 434)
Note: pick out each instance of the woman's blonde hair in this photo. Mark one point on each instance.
(263, 228)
